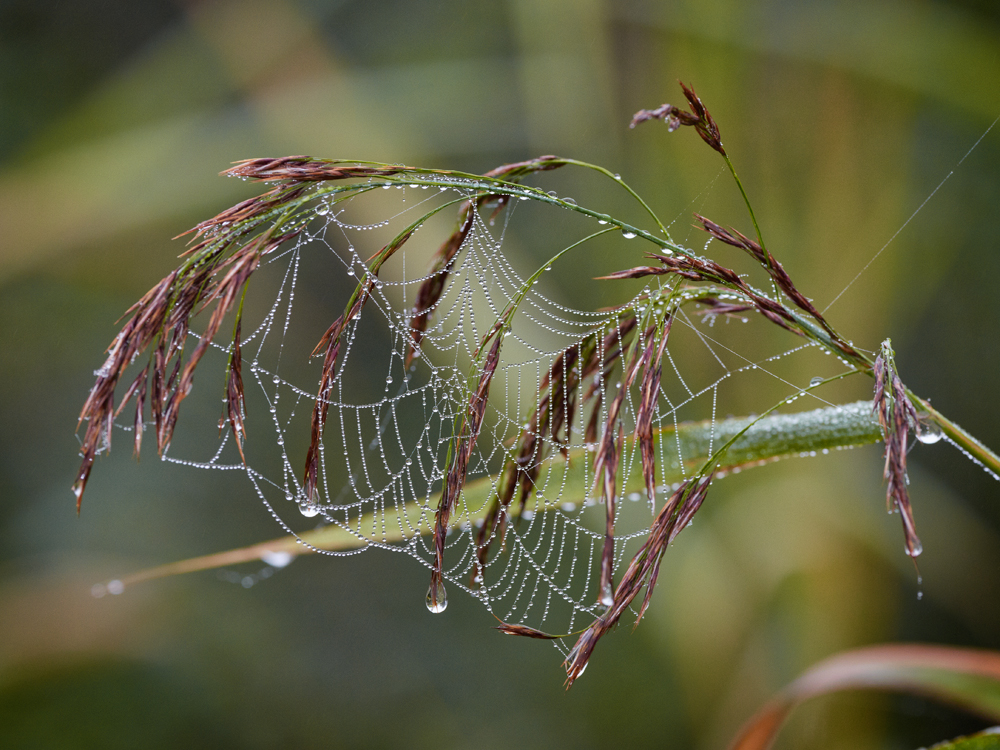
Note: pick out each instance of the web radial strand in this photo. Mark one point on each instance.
(389, 434)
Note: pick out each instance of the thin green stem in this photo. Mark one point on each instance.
(746, 200)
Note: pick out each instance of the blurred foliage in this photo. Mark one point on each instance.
(841, 116)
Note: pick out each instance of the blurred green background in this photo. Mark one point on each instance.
(842, 117)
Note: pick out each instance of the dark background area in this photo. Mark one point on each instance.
(842, 117)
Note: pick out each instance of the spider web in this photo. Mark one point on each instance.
(392, 421)
(385, 444)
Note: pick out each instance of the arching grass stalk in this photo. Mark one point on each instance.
(227, 249)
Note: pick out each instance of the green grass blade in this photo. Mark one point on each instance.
(769, 439)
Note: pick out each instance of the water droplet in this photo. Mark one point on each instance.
(920, 595)
(115, 587)
(350, 271)
(322, 209)
(627, 234)
(570, 201)
(553, 194)
(618, 176)
(815, 381)
(437, 598)
(607, 596)
(917, 550)
(388, 380)
(929, 431)
(308, 509)
(276, 559)
(601, 221)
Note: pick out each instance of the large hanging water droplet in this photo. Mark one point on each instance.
(308, 509)
(322, 209)
(929, 432)
(627, 234)
(607, 596)
(437, 597)
(815, 381)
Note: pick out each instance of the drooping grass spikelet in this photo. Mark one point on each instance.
(896, 416)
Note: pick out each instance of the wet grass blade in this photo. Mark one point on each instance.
(769, 439)
(968, 678)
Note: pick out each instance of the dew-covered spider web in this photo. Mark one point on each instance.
(395, 407)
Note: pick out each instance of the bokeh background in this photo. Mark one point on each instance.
(842, 116)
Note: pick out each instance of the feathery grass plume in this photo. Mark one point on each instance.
(527, 632)
(896, 416)
(608, 458)
(461, 452)
(704, 269)
(244, 212)
(554, 412)
(161, 320)
(444, 259)
(148, 316)
(700, 119)
(305, 169)
(558, 395)
(774, 269)
(642, 570)
(713, 306)
(235, 406)
(649, 393)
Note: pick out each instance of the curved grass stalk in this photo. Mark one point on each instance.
(230, 247)
(751, 441)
